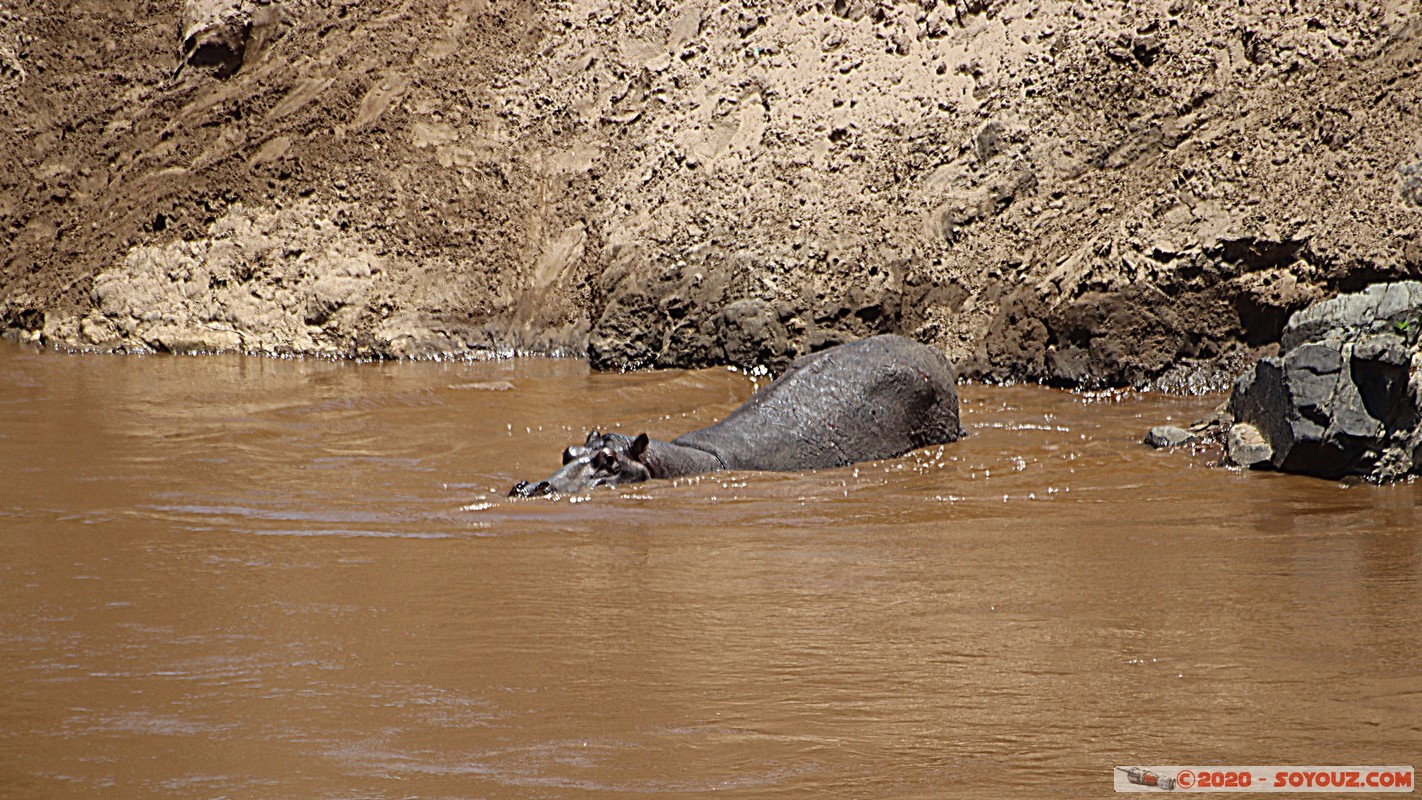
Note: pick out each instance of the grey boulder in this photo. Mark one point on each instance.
(1344, 396)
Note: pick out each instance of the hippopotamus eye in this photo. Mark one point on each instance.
(605, 459)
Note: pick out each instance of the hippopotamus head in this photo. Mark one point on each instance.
(605, 459)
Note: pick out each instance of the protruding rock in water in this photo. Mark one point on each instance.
(1246, 447)
(1344, 396)
(1169, 436)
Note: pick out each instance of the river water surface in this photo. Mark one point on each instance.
(255, 578)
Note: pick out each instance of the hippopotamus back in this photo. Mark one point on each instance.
(875, 398)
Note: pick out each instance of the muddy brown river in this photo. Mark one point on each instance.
(255, 578)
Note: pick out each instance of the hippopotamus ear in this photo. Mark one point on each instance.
(592, 434)
(639, 446)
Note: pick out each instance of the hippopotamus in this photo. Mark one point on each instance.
(875, 398)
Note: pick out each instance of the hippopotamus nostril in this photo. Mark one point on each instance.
(526, 489)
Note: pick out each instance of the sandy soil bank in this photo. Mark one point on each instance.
(1100, 192)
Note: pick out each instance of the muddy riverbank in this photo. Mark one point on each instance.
(1122, 193)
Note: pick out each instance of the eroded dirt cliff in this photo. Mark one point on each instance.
(1103, 192)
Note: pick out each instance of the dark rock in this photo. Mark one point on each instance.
(1344, 397)
(1169, 436)
(1316, 358)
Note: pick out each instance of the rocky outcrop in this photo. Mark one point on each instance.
(1344, 395)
